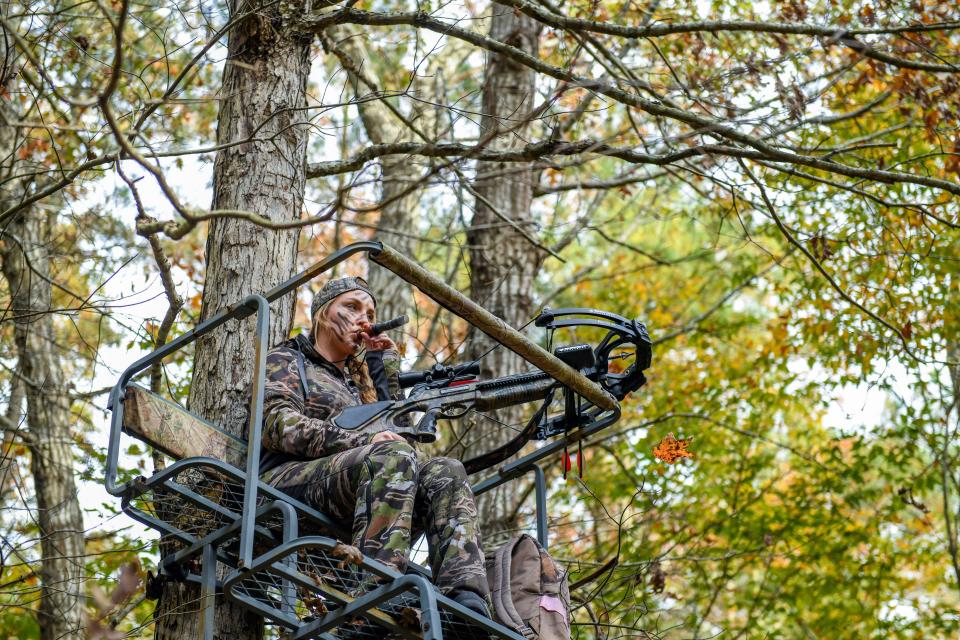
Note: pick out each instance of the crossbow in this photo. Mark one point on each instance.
(616, 363)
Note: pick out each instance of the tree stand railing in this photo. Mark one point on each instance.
(220, 513)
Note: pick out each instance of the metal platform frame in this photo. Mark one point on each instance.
(273, 516)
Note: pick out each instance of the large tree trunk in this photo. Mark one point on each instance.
(26, 266)
(503, 263)
(264, 89)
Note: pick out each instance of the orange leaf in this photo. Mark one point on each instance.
(671, 449)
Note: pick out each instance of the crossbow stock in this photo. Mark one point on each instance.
(616, 363)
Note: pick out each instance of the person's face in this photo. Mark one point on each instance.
(346, 317)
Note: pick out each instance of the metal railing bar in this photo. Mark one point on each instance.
(520, 466)
(459, 304)
(261, 344)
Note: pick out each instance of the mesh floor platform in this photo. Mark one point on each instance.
(310, 586)
(321, 583)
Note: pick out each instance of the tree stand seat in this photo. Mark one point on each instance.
(312, 586)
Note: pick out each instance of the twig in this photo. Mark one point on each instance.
(830, 280)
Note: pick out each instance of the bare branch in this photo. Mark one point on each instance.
(830, 279)
(710, 126)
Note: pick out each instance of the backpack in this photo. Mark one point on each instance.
(530, 593)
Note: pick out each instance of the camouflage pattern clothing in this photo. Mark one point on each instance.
(384, 489)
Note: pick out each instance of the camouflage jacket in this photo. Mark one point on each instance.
(298, 414)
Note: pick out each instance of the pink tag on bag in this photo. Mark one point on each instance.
(554, 604)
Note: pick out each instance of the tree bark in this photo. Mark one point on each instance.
(264, 89)
(25, 252)
(951, 514)
(26, 267)
(503, 263)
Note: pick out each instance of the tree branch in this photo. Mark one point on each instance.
(710, 126)
(819, 267)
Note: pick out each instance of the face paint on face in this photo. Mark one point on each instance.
(342, 325)
(344, 317)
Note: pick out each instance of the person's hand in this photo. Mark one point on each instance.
(387, 436)
(375, 343)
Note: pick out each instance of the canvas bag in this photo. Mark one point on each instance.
(530, 593)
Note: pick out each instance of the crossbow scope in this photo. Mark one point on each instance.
(616, 363)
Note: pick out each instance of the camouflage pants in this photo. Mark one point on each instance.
(391, 498)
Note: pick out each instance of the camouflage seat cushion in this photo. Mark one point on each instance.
(177, 432)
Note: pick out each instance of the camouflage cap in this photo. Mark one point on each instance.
(334, 288)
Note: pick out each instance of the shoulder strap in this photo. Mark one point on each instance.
(502, 596)
(301, 369)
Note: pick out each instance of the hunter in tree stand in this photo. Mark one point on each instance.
(373, 477)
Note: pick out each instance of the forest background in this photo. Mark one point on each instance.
(771, 187)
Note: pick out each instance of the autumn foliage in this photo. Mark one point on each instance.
(771, 187)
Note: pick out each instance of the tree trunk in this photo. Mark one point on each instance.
(397, 220)
(25, 253)
(394, 296)
(951, 514)
(503, 263)
(26, 266)
(264, 90)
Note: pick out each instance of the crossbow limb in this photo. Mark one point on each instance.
(625, 340)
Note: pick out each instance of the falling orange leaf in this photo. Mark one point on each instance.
(671, 449)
